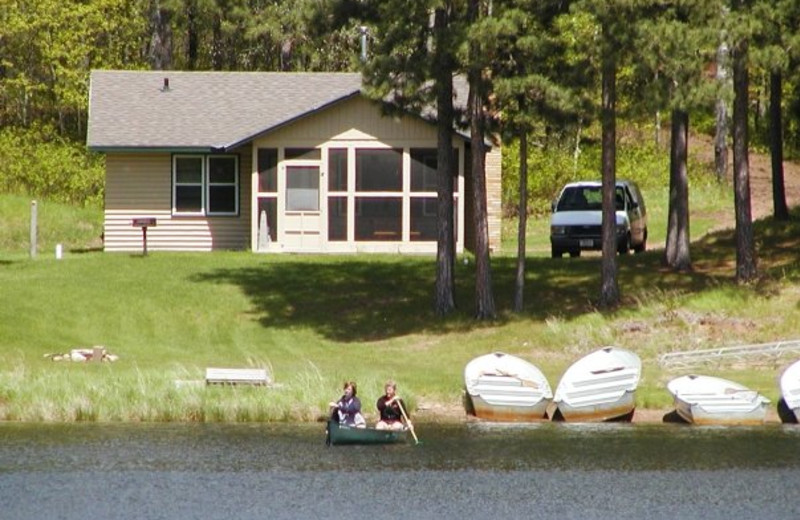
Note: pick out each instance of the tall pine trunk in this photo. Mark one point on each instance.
(484, 297)
(780, 210)
(721, 131)
(609, 290)
(519, 282)
(160, 49)
(444, 298)
(745, 244)
(217, 43)
(676, 252)
(192, 34)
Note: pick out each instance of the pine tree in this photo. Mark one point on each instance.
(413, 63)
(746, 269)
(675, 43)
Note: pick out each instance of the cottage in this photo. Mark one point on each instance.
(271, 162)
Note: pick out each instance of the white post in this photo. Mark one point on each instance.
(34, 224)
(59, 251)
(263, 232)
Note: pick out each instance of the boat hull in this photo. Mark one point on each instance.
(498, 413)
(599, 387)
(789, 404)
(504, 388)
(706, 416)
(707, 400)
(341, 435)
(620, 410)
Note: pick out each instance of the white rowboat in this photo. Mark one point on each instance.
(712, 400)
(599, 387)
(504, 388)
(790, 393)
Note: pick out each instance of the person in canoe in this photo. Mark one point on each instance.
(347, 410)
(392, 409)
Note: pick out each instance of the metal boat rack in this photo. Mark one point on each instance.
(763, 354)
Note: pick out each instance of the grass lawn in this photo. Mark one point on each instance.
(315, 321)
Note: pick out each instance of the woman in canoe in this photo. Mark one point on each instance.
(347, 410)
(392, 409)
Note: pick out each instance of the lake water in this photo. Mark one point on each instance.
(265, 471)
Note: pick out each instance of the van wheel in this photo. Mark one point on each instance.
(625, 246)
(575, 254)
(556, 253)
(641, 248)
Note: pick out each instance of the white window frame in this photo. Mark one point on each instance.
(205, 185)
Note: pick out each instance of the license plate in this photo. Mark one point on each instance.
(586, 243)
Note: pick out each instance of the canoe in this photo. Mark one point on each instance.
(600, 386)
(712, 400)
(789, 405)
(338, 434)
(504, 388)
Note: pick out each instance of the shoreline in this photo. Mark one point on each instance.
(437, 413)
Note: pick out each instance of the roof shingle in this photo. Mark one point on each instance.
(202, 110)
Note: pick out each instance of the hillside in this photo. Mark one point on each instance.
(702, 148)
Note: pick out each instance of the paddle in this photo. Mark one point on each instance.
(408, 421)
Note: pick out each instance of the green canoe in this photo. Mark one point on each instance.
(338, 434)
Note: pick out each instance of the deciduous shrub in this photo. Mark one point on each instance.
(553, 165)
(38, 163)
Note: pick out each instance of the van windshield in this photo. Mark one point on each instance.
(587, 198)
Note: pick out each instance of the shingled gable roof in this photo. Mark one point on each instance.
(203, 110)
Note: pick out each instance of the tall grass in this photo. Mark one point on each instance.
(76, 228)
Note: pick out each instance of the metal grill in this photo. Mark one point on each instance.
(584, 231)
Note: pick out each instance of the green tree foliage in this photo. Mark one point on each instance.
(47, 49)
(34, 163)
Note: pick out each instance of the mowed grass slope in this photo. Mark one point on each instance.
(315, 321)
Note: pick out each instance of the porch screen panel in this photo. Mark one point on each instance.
(379, 219)
(337, 169)
(424, 166)
(306, 154)
(423, 169)
(268, 170)
(379, 170)
(269, 205)
(423, 218)
(337, 219)
(302, 188)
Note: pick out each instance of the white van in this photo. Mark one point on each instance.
(576, 220)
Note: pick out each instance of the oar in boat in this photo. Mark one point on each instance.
(408, 421)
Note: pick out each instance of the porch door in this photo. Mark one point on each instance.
(302, 220)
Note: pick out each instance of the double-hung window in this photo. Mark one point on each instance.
(205, 185)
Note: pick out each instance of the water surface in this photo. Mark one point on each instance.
(178, 471)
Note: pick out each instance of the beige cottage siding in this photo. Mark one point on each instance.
(139, 185)
(493, 202)
(357, 119)
(353, 124)
(494, 205)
